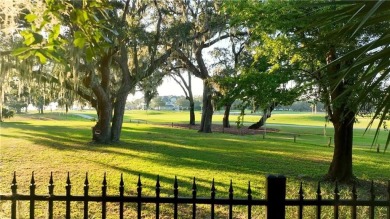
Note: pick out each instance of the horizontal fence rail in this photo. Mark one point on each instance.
(275, 201)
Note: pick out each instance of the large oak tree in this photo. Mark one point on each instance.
(200, 25)
(312, 50)
(110, 46)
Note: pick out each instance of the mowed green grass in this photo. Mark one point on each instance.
(308, 128)
(59, 143)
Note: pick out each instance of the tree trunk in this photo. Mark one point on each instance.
(341, 167)
(40, 109)
(102, 130)
(117, 121)
(225, 121)
(207, 110)
(266, 114)
(342, 117)
(192, 112)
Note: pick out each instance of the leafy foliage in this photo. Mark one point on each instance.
(367, 20)
(6, 113)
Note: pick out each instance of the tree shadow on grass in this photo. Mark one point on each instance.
(236, 157)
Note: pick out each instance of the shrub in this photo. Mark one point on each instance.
(6, 113)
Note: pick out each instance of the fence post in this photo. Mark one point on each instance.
(86, 191)
(14, 188)
(104, 196)
(32, 196)
(51, 194)
(276, 196)
(68, 188)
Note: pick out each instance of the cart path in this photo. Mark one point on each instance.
(85, 116)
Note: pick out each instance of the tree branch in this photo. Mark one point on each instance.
(212, 42)
(4, 53)
(125, 11)
(69, 86)
(181, 85)
(191, 67)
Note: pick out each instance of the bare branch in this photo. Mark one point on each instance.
(191, 67)
(212, 42)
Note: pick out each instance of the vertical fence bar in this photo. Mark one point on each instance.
(354, 198)
(86, 190)
(249, 200)
(32, 196)
(68, 188)
(121, 194)
(372, 199)
(336, 199)
(319, 199)
(104, 197)
(14, 188)
(50, 188)
(300, 210)
(276, 196)
(175, 195)
(231, 200)
(194, 199)
(212, 199)
(139, 194)
(158, 197)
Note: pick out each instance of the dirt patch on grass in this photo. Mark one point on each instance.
(232, 130)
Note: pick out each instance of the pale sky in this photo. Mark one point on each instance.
(170, 87)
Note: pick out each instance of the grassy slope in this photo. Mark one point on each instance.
(59, 143)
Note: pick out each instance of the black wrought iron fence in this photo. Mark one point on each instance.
(275, 201)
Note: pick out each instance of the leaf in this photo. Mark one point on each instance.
(54, 55)
(31, 38)
(79, 42)
(89, 54)
(30, 17)
(42, 58)
(85, 16)
(23, 53)
(368, 15)
(20, 51)
(94, 4)
(49, 47)
(28, 38)
(78, 34)
(107, 39)
(38, 38)
(56, 31)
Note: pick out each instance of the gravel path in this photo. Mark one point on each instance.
(85, 116)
